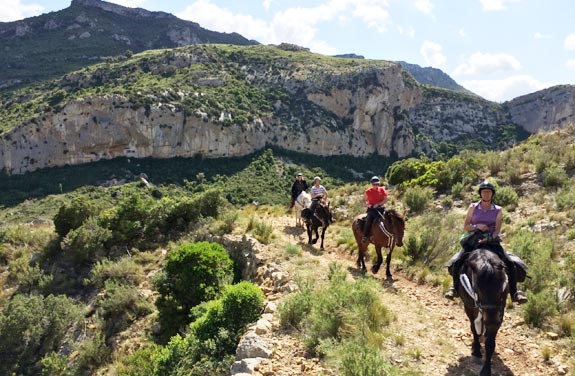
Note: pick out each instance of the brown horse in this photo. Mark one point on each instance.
(483, 290)
(386, 232)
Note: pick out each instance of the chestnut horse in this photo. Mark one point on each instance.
(483, 290)
(385, 232)
(301, 202)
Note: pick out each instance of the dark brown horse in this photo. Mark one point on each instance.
(313, 221)
(386, 232)
(483, 290)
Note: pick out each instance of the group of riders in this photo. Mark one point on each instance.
(482, 217)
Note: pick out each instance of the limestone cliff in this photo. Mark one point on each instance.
(230, 101)
(544, 110)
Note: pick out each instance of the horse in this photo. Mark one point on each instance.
(301, 202)
(313, 221)
(483, 289)
(386, 232)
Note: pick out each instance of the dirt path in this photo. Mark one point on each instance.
(430, 334)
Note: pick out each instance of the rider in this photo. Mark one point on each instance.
(374, 198)
(318, 193)
(486, 217)
(298, 187)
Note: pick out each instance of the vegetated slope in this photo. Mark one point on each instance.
(229, 101)
(86, 32)
(534, 188)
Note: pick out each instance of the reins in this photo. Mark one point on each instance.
(388, 233)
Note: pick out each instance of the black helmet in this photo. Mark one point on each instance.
(486, 185)
(374, 180)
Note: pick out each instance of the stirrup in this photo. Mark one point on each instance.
(519, 297)
(451, 294)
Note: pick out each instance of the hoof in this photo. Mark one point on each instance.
(389, 278)
(314, 241)
(476, 359)
(375, 269)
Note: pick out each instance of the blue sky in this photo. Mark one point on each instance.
(499, 49)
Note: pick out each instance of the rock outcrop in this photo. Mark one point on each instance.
(544, 110)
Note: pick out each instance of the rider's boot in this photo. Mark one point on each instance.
(367, 227)
(452, 292)
(517, 296)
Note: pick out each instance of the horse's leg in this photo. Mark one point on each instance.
(476, 345)
(489, 350)
(308, 228)
(388, 261)
(315, 229)
(323, 228)
(377, 265)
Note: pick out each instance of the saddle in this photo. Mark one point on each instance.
(471, 241)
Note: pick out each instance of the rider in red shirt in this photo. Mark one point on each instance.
(374, 198)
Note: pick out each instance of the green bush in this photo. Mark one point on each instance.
(120, 306)
(125, 270)
(239, 305)
(417, 198)
(87, 242)
(540, 308)
(143, 362)
(73, 215)
(32, 327)
(193, 273)
(358, 358)
(506, 197)
(92, 352)
(554, 177)
(457, 190)
(565, 199)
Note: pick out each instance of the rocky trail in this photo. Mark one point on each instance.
(429, 336)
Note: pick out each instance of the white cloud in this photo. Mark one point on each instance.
(424, 6)
(13, 10)
(570, 64)
(128, 3)
(266, 4)
(540, 36)
(297, 25)
(490, 5)
(480, 63)
(433, 54)
(505, 89)
(407, 31)
(569, 43)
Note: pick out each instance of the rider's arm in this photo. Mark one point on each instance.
(498, 222)
(468, 226)
(365, 200)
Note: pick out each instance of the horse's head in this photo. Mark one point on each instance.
(490, 286)
(397, 222)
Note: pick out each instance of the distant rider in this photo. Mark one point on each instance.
(375, 197)
(299, 186)
(318, 194)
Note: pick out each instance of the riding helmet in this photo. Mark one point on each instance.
(486, 185)
(300, 174)
(316, 178)
(374, 180)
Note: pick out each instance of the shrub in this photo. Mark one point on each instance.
(239, 305)
(120, 306)
(124, 270)
(32, 327)
(92, 352)
(540, 307)
(417, 198)
(143, 362)
(193, 273)
(87, 242)
(554, 177)
(261, 230)
(565, 199)
(73, 215)
(358, 358)
(506, 197)
(457, 190)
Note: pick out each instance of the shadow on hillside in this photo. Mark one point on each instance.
(470, 366)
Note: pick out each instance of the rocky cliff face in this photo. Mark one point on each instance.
(544, 110)
(373, 112)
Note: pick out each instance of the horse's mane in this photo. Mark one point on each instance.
(395, 214)
(488, 267)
